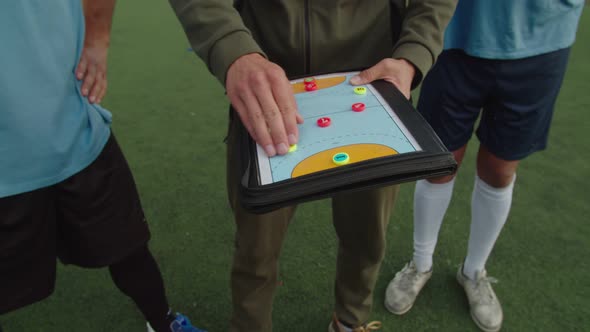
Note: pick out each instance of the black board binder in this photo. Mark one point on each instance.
(432, 160)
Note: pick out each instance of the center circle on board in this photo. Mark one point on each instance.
(322, 160)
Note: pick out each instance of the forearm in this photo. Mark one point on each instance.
(216, 32)
(99, 17)
(422, 33)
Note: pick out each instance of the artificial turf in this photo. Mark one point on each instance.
(170, 118)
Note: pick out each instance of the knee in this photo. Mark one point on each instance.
(498, 177)
(495, 171)
(442, 179)
(370, 252)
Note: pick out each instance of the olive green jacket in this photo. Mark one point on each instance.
(315, 36)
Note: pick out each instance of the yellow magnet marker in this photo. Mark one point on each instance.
(293, 148)
(341, 158)
(360, 90)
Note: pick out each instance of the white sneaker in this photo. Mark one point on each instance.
(402, 291)
(485, 308)
(335, 326)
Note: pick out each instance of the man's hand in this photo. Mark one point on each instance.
(397, 72)
(92, 71)
(262, 95)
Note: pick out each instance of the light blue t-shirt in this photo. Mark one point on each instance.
(512, 29)
(48, 131)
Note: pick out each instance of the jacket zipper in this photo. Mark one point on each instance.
(307, 66)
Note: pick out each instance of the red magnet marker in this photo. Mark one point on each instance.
(324, 122)
(358, 107)
(311, 86)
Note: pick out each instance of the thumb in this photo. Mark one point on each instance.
(366, 76)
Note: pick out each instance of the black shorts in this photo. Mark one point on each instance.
(515, 99)
(92, 219)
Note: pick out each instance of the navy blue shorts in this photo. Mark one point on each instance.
(515, 99)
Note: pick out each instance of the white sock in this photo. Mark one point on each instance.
(431, 201)
(489, 210)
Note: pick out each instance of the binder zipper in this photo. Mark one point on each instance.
(361, 173)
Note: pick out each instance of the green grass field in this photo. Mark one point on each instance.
(170, 118)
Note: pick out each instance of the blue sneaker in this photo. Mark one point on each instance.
(180, 324)
(183, 324)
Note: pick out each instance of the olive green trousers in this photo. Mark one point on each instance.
(360, 220)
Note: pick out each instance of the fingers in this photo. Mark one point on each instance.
(368, 75)
(81, 69)
(89, 79)
(262, 95)
(258, 122)
(287, 105)
(103, 92)
(398, 72)
(299, 118)
(275, 121)
(241, 109)
(93, 76)
(272, 126)
(97, 89)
